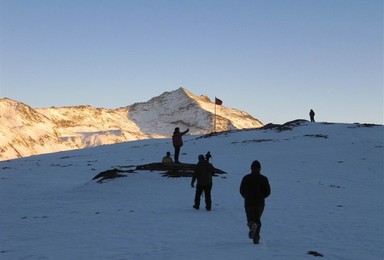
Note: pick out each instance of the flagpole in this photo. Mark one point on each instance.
(217, 102)
(214, 126)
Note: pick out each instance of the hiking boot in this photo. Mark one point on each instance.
(195, 207)
(256, 239)
(252, 231)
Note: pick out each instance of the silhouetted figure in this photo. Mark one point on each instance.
(254, 188)
(208, 156)
(203, 174)
(312, 115)
(177, 141)
(167, 158)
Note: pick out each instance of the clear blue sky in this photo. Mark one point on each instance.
(273, 59)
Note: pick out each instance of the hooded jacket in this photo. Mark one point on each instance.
(254, 188)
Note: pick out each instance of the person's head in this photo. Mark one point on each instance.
(201, 157)
(168, 154)
(255, 166)
(177, 129)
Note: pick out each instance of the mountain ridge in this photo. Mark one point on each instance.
(27, 131)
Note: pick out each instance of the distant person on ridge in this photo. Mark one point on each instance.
(203, 174)
(177, 141)
(254, 188)
(312, 115)
(167, 158)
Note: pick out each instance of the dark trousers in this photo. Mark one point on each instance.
(254, 216)
(207, 193)
(177, 153)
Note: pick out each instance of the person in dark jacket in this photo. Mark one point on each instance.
(177, 141)
(254, 188)
(203, 174)
(312, 115)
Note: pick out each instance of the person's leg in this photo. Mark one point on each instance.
(251, 220)
(208, 200)
(251, 216)
(177, 152)
(258, 213)
(199, 191)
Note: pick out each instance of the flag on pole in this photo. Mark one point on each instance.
(217, 102)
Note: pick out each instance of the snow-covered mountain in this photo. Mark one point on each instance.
(26, 131)
(327, 199)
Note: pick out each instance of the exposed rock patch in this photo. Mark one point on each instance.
(173, 170)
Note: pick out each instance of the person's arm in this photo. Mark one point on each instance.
(193, 179)
(242, 188)
(267, 190)
(186, 131)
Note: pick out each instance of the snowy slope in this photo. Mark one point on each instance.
(25, 131)
(327, 197)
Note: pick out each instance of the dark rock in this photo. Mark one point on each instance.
(109, 174)
(314, 253)
(173, 169)
(168, 170)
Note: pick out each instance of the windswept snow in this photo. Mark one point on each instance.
(327, 197)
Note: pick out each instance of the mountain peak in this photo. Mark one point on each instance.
(62, 128)
(193, 96)
(17, 114)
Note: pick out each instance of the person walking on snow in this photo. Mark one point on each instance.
(177, 141)
(203, 174)
(254, 188)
